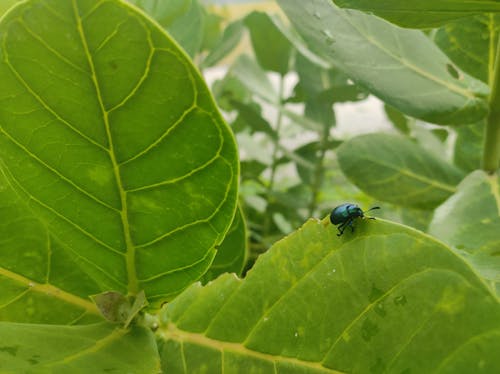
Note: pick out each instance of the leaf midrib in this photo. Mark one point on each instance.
(49, 289)
(130, 248)
(171, 332)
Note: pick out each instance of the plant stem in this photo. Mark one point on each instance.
(319, 168)
(491, 152)
(274, 160)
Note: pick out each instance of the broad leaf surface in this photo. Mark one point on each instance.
(470, 219)
(422, 13)
(37, 275)
(100, 348)
(232, 252)
(109, 134)
(383, 299)
(471, 44)
(402, 67)
(392, 168)
(272, 49)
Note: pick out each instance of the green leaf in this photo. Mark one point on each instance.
(232, 252)
(250, 116)
(251, 74)
(386, 298)
(416, 218)
(299, 44)
(468, 150)
(164, 12)
(246, 78)
(328, 86)
(37, 274)
(311, 152)
(422, 13)
(471, 44)
(272, 49)
(101, 348)
(392, 168)
(404, 68)
(398, 119)
(212, 31)
(183, 19)
(470, 219)
(487, 265)
(108, 132)
(230, 38)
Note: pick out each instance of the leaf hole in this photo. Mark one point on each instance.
(453, 71)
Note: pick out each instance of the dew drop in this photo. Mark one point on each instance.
(296, 334)
(31, 284)
(316, 14)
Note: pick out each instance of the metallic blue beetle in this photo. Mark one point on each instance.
(345, 214)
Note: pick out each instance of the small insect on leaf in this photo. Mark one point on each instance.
(344, 215)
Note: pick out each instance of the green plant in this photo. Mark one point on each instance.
(118, 191)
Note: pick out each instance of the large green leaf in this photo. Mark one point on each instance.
(101, 348)
(272, 49)
(383, 299)
(108, 132)
(471, 44)
(402, 67)
(470, 219)
(470, 222)
(392, 168)
(422, 13)
(40, 281)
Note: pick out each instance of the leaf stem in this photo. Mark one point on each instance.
(319, 169)
(274, 158)
(491, 151)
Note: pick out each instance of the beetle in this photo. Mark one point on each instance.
(345, 214)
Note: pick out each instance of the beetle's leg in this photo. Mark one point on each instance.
(351, 221)
(346, 224)
(340, 228)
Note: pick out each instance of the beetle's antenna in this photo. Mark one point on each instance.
(375, 207)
